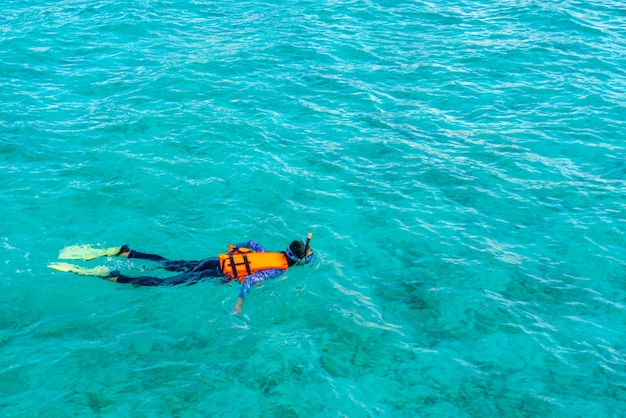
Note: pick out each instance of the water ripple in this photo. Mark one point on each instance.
(461, 165)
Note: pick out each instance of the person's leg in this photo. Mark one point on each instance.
(169, 265)
(210, 266)
(128, 253)
(116, 276)
(180, 265)
(185, 278)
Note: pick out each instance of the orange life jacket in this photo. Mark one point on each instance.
(241, 262)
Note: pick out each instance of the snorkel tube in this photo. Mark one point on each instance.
(308, 241)
(306, 245)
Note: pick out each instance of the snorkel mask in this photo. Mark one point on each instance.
(305, 255)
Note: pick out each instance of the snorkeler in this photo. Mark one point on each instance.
(248, 263)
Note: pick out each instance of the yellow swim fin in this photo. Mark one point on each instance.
(87, 252)
(98, 271)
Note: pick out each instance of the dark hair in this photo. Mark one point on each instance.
(297, 248)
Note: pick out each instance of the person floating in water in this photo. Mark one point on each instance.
(247, 262)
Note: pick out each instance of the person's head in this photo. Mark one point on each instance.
(295, 253)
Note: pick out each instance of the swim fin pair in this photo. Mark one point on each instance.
(86, 252)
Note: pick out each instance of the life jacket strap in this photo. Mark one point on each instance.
(244, 263)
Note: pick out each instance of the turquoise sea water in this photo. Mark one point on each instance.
(461, 165)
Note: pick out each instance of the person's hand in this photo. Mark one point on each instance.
(237, 309)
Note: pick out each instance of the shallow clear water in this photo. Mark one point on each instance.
(461, 166)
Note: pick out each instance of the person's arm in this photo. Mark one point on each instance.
(252, 280)
(253, 245)
(239, 305)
